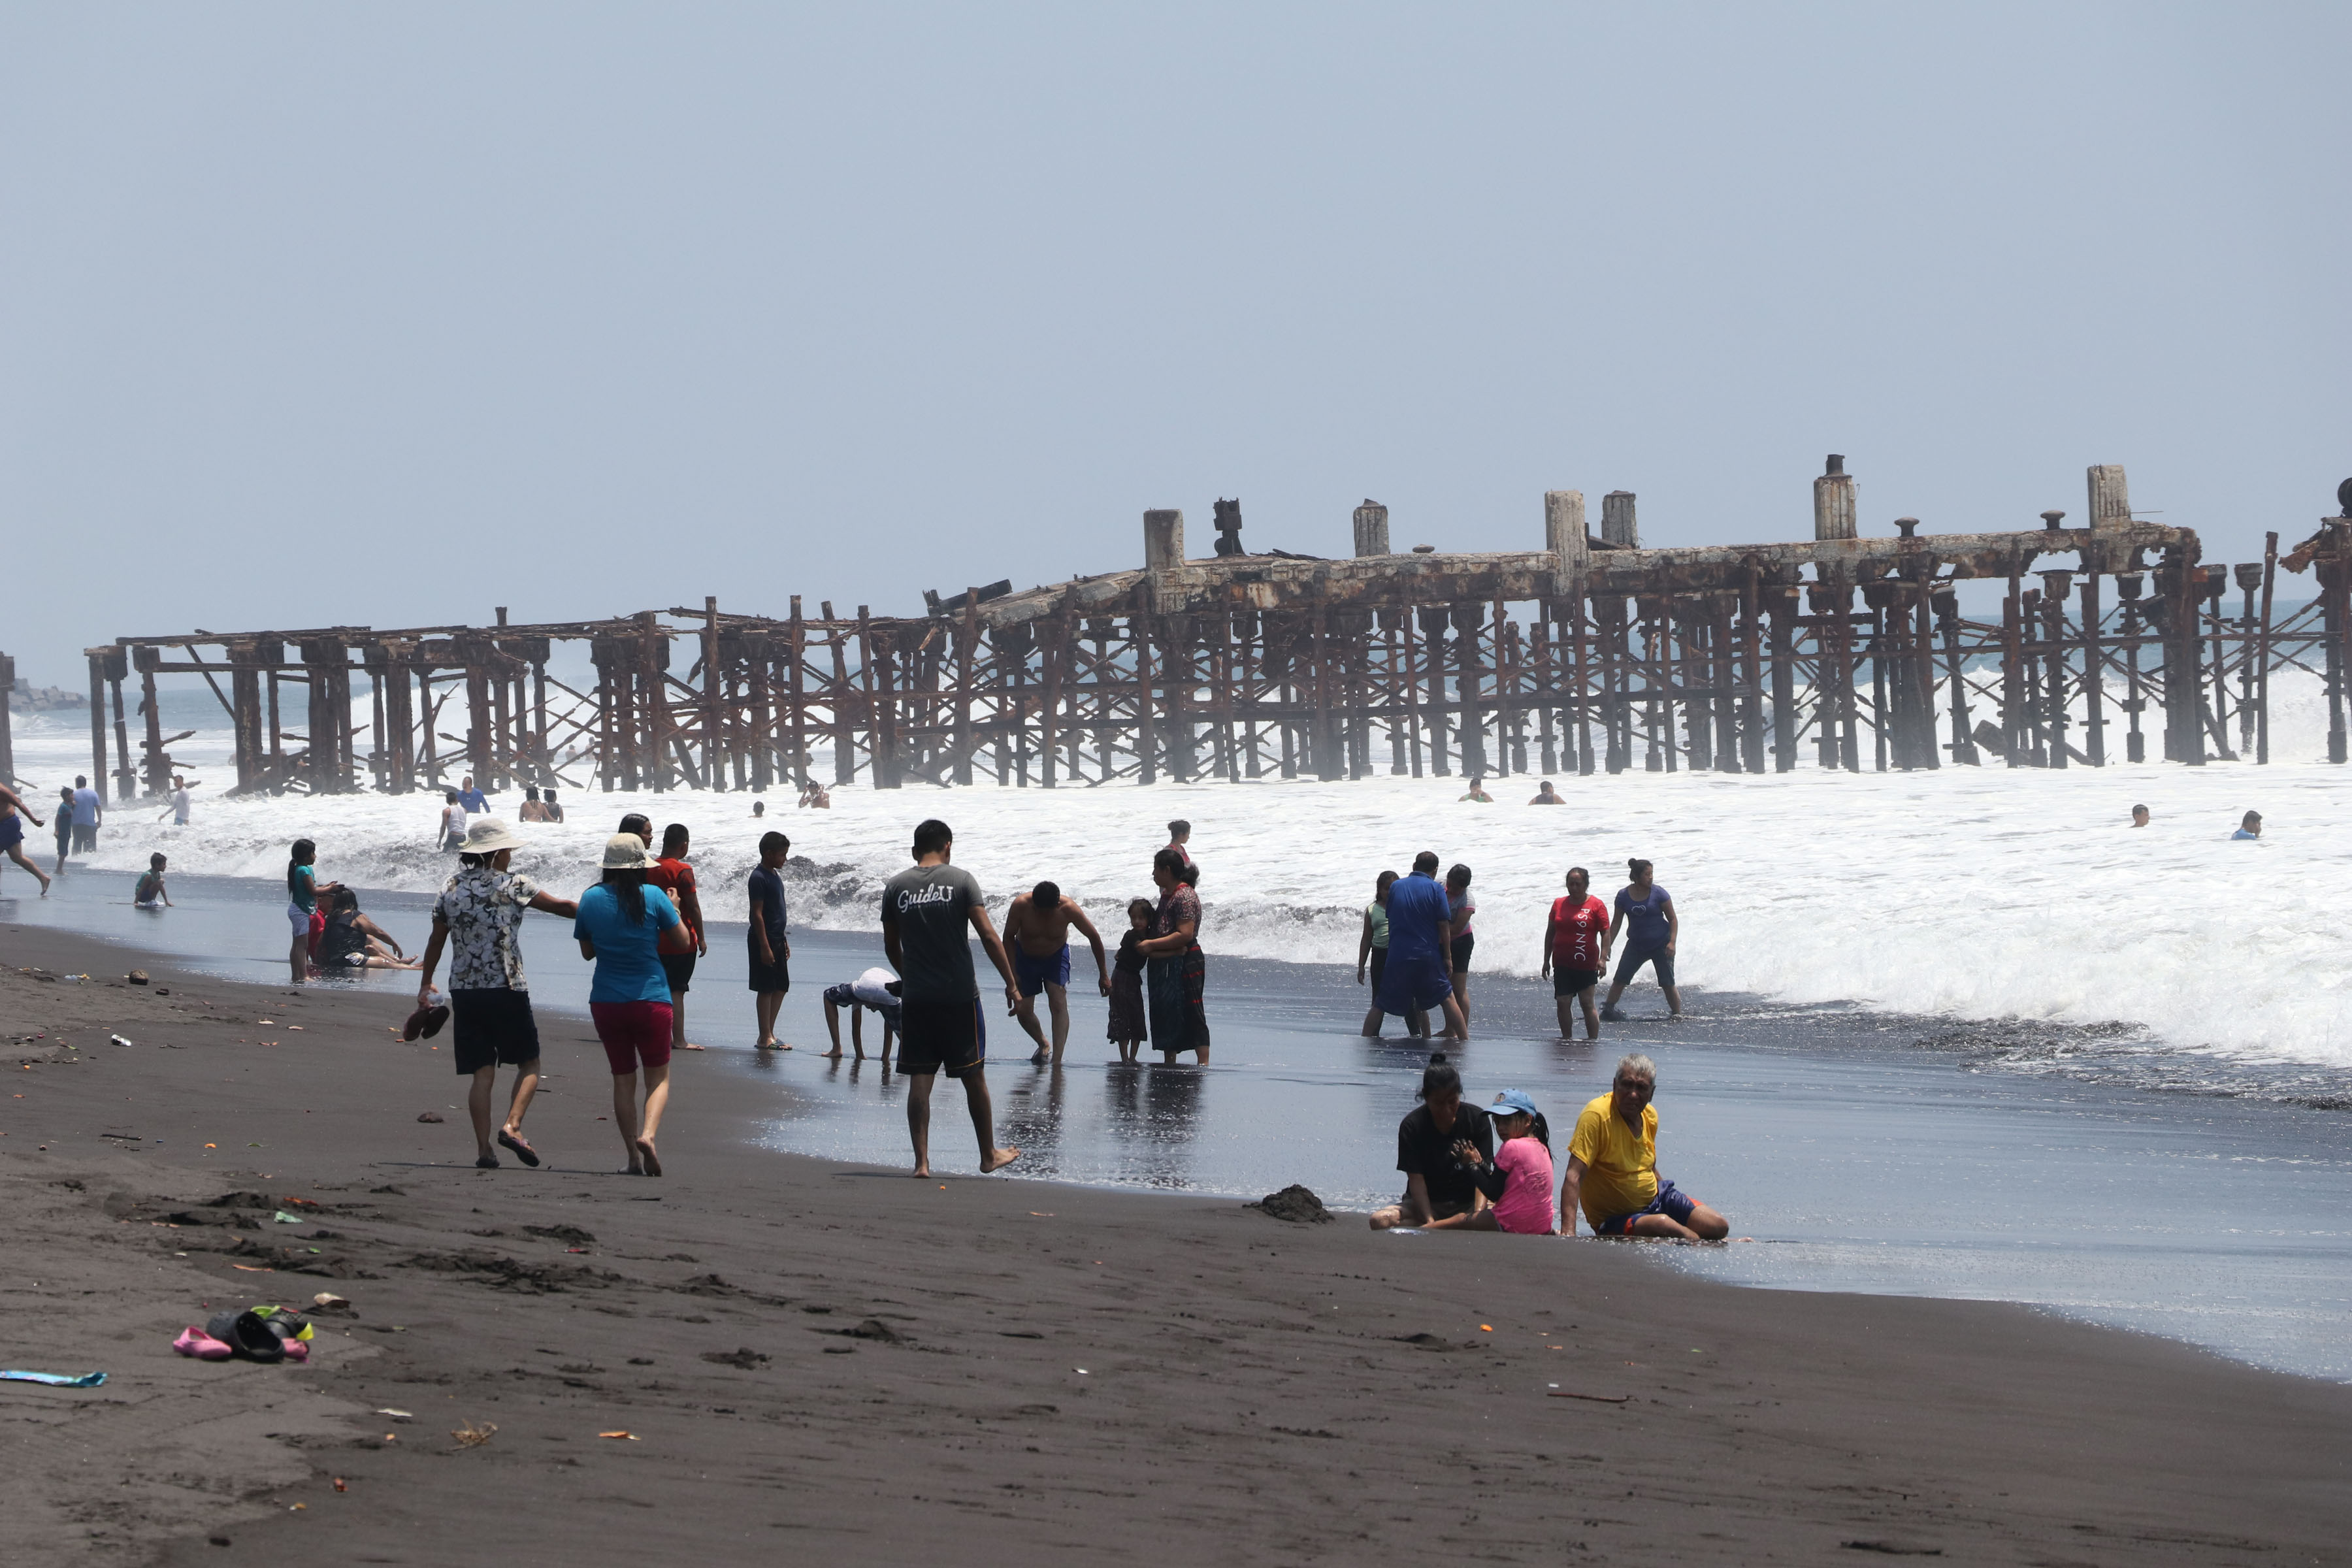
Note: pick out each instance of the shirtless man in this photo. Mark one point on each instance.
(1037, 931)
(14, 814)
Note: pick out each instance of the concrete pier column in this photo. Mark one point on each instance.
(2110, 498)
(1833, 502)
(1618, 526)
(1164, 539)
(1372, 529)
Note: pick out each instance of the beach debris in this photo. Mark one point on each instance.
(1428, 1342)
(397, 1414)
(625, 1436)
(870, 1329)
(340, 1485)
(1295, 1203)
(746, 1358)
(194, 1342)
(326, 1303)
(429, 1116)
(1595, 1398)
(55, 1379)
(473, 1435)
(137, 977)
(1891, 1549)
(572, 1234)
(282, 1217)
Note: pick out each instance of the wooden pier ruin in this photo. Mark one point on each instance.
(2115, 642)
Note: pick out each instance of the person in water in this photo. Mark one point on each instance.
(150, 894)
(1576, 953)
(2250, 827)
(1612, 1168)
(2139, 816)
(1418, 976)
(1372, 948)
(1462, 938)
(1129, 1027)
(1038, 934)
(351, 940)
(1175, 970)
(1477, 791)
(1645, 913)
(1544, 795)
(1517, 1181)
(1441, 1146)
(931, 912)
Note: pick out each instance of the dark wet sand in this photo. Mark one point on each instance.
(1252, 1391)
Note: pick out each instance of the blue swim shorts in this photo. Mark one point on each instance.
(1674, 1205)
(1413, 986)
(1034, 975)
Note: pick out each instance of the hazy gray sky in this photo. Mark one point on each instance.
(388, 314)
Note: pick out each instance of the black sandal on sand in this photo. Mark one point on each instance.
(522, 1150)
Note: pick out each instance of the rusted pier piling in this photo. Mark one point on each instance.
(1592, 654)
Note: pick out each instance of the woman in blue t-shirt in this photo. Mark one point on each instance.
(624, 928)
(1645, 914)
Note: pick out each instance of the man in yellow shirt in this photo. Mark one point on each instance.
(1612, 1168)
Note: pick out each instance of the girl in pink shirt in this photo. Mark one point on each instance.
(1519, 1179)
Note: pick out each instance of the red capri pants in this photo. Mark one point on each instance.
(632, 1032)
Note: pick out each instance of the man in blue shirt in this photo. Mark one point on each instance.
(89, 810)
(471, 798)
(2250, 828)
(1421, 934)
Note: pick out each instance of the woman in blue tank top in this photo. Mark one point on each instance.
(1646, 915)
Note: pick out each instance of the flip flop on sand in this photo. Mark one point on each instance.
(424, 1022)
(522, 1150)
(652, 1160)
(194, 1342)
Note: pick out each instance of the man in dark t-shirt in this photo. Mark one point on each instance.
(928, 913)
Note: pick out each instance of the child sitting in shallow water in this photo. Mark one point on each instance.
(149, 893)
(1127, 1029)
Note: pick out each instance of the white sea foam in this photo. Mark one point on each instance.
(1970, 892)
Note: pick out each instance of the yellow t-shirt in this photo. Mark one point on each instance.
(1620, 1165)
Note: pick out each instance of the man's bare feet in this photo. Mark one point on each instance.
(1038, 1058)
(652, 1160)
(922, 1172)
(689, 1045)
(998, 1159)
(835, 1055)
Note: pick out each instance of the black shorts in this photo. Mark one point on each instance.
(1380, 967)
(1658, 958)
(491, 1027)
(1462, 946)
(941, 1036)
(1571, 981)
(679, 967)
(776, 976)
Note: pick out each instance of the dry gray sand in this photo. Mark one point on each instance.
(848, 1365)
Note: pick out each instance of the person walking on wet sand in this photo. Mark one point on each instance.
(672, 874)
(1612, 1168)
(1462, 937)
(477, 921)
(624, 927)
(1038, 934)
(1420, 935)
(1576, 953)
(14, 814)
(1175, 972)
(930, 913)
(89, 812)
(770, 940)
(1645, 913)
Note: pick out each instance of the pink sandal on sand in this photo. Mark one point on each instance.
(194, 1342)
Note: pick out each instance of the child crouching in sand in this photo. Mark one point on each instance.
(1127, 1029)
(1518, 1180)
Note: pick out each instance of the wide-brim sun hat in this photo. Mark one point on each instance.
(626, 852)
(488, 835)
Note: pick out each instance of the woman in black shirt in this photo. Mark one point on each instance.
(1441, 1186)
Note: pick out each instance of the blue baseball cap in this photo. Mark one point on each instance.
(1510, 1101)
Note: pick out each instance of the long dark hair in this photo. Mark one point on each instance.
(628, 885)
(1637, 869)
(301, 854)
(1439, 1078)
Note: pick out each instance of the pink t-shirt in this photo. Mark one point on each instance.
(1526, 1203)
